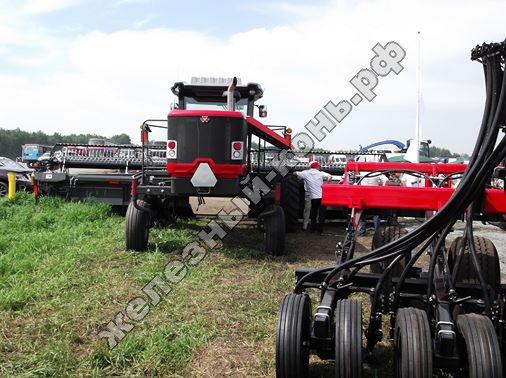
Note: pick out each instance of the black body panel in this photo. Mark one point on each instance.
(212, 139)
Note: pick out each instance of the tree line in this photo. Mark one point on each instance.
(445, 152)
(12, 140)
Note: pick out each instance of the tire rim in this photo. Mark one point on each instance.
(3, 190)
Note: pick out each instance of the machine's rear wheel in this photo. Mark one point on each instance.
(413, 344)
(4, 188)
(183, 209)
(487, 257)
(292, 338)
(137, 227)
(290, 201)
(481, 346)
(348, 339)
(274, 230)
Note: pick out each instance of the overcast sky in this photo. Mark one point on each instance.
(73, 66)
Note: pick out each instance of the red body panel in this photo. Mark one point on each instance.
(260, 130)
(400, 197)
(220, 170)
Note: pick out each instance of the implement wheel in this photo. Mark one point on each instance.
(348, 340)
(292, 338)
(290, 201)
(481, 346)
(383, 236)
(413, 344)
(274, 230)
(137, 227)
(487, 257)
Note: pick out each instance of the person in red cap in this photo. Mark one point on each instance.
(313, 181)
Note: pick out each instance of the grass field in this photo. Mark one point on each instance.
(64, 273)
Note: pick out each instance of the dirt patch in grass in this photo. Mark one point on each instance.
(242, 289)
(228, 358)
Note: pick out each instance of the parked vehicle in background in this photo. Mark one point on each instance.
(394, 150)
(97, 141)
(339, 160)
(32, 152)
(23, 180)
(99, 147)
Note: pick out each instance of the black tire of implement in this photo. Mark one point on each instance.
(348, 339)
(274, 231)
(4, 189)
(481, 346)
(290, 201)
(292, 338)
(137, 227)
(488, 258)
(413, 344)
(382, 236)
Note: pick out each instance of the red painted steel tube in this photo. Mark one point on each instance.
(400, 197)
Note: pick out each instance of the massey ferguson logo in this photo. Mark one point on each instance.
(204, 119)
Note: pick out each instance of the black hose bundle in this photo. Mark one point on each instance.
(486, 155)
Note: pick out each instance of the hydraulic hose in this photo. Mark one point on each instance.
(484, 158)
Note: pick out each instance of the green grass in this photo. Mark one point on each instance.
(64, 273)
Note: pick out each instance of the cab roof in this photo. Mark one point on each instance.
(252, 91)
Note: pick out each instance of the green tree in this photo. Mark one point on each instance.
(120, 139)
(12, 140)
(444, 152)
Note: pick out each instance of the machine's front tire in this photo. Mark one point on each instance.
(292, 338)
(4, 189)
(274, 231)
(481, 346)
(413, 344)
(348, 339)
(137, 227)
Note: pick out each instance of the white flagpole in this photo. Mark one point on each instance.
(413, 153)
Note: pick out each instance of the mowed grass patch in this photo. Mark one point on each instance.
(64, 273)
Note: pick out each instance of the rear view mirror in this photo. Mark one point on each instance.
(262, 111)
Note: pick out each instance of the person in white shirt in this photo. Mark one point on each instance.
(307, 209)
(313, 181)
